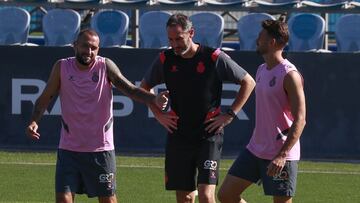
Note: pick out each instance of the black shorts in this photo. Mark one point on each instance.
(186, 166)
(251, 168)
(92, 173)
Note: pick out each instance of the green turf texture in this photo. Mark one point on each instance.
(29, 177)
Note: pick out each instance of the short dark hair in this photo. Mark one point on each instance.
(278, 30)
(181, 20)
(86, 31)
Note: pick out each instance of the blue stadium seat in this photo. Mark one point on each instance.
(227, 2)
(347, 33)
(112, 27)
(14, 25)
(83, 1)
(326, 4)
(61, 27)
(307, 32)
(249, 27)
(278, 3)
(177, 2)
(129, 1)
(152, 29)
(32, 1)
(209, 28)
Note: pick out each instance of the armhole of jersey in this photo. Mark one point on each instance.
(162, 57)
(291, 70)
(103, 59)
(215, 54)
(298, 72)
(61, 69)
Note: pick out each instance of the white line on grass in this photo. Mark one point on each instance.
(161, 167)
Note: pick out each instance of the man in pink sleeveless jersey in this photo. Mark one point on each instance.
(86, 157)
(273, 152)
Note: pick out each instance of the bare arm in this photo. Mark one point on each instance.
(247, 86)
(126, 87)
(294, 88)
(51, 90)
(168, 121)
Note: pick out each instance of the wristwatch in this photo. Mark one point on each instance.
(231, 112)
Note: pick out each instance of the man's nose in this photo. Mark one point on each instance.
(88, 50)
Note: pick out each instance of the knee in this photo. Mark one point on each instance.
(224, 196)
(206, 197)
(189, 198)
(64, 197)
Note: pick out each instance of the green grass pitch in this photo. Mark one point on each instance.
(27, 177)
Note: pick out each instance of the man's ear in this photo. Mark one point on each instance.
(273, 42)
(192, 32)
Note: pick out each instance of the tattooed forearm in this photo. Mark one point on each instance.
(39, 109)
(37, 112)
(125, 86)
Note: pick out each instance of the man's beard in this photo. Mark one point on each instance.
(184, 51)
(80, 59)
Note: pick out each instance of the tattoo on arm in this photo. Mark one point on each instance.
(125, 86)
(37, 112)
(51, 90)
(39, 108)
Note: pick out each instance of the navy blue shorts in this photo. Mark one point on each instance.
(92, 173)
(251, 168)
(186, 166)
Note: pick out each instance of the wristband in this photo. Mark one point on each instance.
(231, 112)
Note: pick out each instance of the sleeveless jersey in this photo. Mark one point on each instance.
(86, 106)
(273, 114)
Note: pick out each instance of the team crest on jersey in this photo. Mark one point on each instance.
(200, 67)
(272, 82)
(173, 69)
(95, 77)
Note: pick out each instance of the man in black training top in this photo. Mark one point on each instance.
(193, 75)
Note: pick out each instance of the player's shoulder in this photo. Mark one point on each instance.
(216, 54)
(288, 65)
(57, 64)
(261, 67)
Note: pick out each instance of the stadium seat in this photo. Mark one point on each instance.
(152, 29)
(61, 27)
(112, 27)
(249, 27)
(307, 32)
(326, 4)
(282, 4)
(227, 2)
(14, 25)
(209, 28)
(347, 33)
(177, 2)
(129, 1)
(83, 1)
(32, 1)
